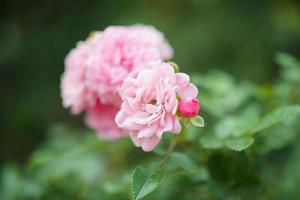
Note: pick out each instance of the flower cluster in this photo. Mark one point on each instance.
(118, 77)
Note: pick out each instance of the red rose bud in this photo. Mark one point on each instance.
(189, 107)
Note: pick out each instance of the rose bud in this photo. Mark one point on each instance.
(189, 107)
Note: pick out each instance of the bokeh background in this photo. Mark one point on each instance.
(240, 37)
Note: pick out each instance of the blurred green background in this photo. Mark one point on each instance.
(240, 37)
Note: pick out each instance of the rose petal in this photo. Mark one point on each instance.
(150, 143)
(176, 126)
(190, 91)
(182, 80)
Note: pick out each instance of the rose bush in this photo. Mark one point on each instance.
(250, 144)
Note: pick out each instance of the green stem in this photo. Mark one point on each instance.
(172, 144)
(169, 151)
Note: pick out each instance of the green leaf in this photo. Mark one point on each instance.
(145, 181)
(216, 86)
(290, 67)
(236, 126)
(197, 121)
(183, 161)
(277, 116)
(225, 127)
(239, 144)
(278, 137)
(210, 141)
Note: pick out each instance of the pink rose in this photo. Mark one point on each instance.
(118, 51)
(150, 103)
(96, 68)
(74, 92)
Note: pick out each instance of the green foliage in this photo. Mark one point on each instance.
(69, 166)
(145, 181)
(220, 94)
(277, 116)
(249, 149)
(184, 162)
(239, 144)
(290, 70)
(197, 121)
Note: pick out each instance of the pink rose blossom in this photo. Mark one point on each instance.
(97, 67)
(117, 51)
(150, 103)
(73, 89)
(189, 107)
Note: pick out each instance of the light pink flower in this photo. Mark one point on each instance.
(101, 118)
(118, 51)
(97, 67)
(189, 107)
(74, 92)
(150, 103)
